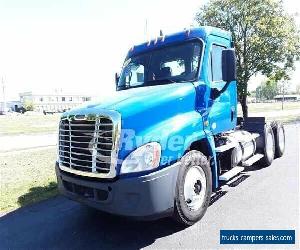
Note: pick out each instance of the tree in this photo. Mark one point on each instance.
(28, 105)
(283, 87)
(268, 90)
(266, 38)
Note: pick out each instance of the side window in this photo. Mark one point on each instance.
(209, 71)
(138, 75)
(216, 63)
(134, 74)
(195, 59)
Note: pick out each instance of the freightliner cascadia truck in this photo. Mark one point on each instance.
(169, 137)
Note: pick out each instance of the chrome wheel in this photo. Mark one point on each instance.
(194, 188)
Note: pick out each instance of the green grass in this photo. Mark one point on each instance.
(285, 119)
(28, 124)
(26, 177)
(275, 106)
(33, 124)
(29, 176)
(273, 111)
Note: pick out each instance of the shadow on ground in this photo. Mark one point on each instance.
(233, 183)
(59, 223)
(38, 193)
(254, 168)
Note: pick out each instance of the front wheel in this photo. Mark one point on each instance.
(193, 189)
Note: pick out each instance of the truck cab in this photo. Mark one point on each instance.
(169, 136)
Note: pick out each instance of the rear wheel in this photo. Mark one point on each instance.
(279, 136)
(193, 189)
(269, 147)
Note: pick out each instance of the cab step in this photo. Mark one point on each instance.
(252, 160)
(231, 173)
(226, 147)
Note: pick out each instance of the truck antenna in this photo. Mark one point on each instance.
(146, 28)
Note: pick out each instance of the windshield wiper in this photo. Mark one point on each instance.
(165, 80)
(151, 83)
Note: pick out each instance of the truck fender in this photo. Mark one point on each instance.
(206, 146)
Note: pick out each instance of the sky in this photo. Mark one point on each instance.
(78, 45)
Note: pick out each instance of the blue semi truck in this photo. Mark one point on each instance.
(169, 137)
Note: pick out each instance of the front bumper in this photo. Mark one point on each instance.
(145, 196)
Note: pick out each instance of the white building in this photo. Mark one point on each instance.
(293, 98)
(57, 101)
(3, 107)
(10, 106)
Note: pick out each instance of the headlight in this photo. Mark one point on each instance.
(146, 157)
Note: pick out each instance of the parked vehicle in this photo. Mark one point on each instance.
(169, 137)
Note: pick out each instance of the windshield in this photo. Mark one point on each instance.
(176, 63)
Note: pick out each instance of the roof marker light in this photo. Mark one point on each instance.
(188, 31)
(161, 36)
(149, 42)
(155, 41)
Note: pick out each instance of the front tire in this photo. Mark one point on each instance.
(193, 188)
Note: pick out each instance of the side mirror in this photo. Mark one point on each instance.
(117, 78)
(228, 65)
(228, 71)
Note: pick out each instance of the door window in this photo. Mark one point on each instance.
(215, 72)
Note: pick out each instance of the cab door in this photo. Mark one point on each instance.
(222, 110)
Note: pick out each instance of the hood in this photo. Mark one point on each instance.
(153, 113)
(135, 100)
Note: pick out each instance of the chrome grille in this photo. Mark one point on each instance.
(88, 145)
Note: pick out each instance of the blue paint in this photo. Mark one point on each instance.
(159, 112)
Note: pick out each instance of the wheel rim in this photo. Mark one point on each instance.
(281, 141)
(270, 146)
(194, 188)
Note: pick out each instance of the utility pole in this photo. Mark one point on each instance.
(3, 94)
(282, 99)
